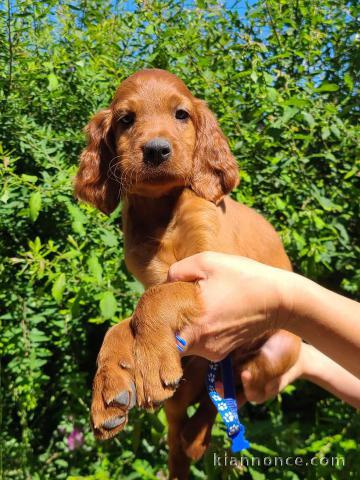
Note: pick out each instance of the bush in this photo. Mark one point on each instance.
(281, 78)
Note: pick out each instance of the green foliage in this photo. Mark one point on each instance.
(282, 79)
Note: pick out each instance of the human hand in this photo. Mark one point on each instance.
(273, 349)
(311, 365)
(241, 300)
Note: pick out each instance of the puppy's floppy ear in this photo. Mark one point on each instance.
(216, 171)
(93, 182)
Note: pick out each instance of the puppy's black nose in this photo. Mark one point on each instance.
(156, 151)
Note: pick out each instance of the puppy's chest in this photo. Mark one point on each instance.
(149, 254)
(155, 238)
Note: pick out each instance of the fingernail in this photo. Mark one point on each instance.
(180, 348)
(181, 340)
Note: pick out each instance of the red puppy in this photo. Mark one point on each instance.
(161, 151)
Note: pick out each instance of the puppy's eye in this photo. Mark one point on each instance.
(181, 114)
(127, 119)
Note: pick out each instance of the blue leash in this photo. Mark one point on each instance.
(227, 406)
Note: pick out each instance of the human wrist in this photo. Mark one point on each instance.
(298, 293)
(307, 301)
(287, 288)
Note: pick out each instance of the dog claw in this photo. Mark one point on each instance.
(122, 398)
(113, 423)
(132, 402)
(173, 384)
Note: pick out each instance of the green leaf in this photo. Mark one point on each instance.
(76, 213)
(327, 87)
(95, 267)
(272, 94)
(325, 202)
(75, 303)
(268, 78)
(351, 173)
(330, 156)
(156, 423)
(254, 76)
(348, 444)
(325, 133)
(342, 231)
(29, 178)
(261, 448)
(5, 196)
(108, 305)
(53, 82)
(150, 29)
(335, 131)
(309, 119)
(280, 204)
(59, 287)
(289, 389)
(144, 469)
(349, 81)
(298, 102)
(136, 287)
(255, 475)
(78, 219)
(37, 336)
(289, 113)
(34, 205)
(109, 238)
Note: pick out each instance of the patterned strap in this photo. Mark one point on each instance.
(227, 406)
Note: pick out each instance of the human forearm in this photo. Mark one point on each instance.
(320, 369)
(311, 365)
(327, 320)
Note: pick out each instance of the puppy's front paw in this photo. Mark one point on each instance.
(114, 391)
(161, 311)
(157, 370)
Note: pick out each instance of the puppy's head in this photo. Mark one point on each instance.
(154, 137)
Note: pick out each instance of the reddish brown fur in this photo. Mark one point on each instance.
(170, 212)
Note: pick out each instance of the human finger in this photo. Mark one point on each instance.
(188, 269)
